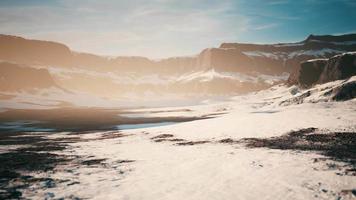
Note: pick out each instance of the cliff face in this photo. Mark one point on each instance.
(233, 57)
(324, 70)
(232, 67)
(276, 58)
(20, 50)
(224, 60)
(339, 67)
(308, 73)
(15, 77)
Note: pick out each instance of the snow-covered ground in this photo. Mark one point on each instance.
(290, 55)
(137, 167)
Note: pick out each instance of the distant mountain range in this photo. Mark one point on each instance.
(233, 57)
(232, 68)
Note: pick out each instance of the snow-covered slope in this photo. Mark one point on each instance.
(137, 165)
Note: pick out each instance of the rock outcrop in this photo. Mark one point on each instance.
(339, 67)
(319, 71)
(345, 92)
(308, 73)
(15, 77)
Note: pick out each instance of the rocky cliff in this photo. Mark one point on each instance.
(269, 59)
(14, 77)
(318, 71)
(230, 68)
(33, 52)
(339, 67)
(276, 58)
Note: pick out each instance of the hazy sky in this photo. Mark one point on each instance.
(163, 28)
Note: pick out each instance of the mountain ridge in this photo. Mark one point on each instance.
(231, 68)
(38, 52)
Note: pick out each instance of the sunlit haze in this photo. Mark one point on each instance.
(178, 99)
(165, 28)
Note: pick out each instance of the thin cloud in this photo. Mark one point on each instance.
(264, 27)
(157, 28)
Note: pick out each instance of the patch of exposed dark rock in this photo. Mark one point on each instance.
(169, 140)
(296, 100)
(21, 182)
(166, 138)
(14, 166)
(73, 183)
(20, 167)
(36, 156)
(342, 92)
(20, 138)
(228, 141)
(349, 191)
(338, 146)
(308, 73)
(318, 71)
(161, 136)
(67, 140)
(191, 143)
(44, 147)
(112, 135)
(339, 67)
(345, 92)
(183, 142)
(176, 140)
(124, 161)
(94, 162)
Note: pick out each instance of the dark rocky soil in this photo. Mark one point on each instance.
(338, 146)
(190, 143)
(40, 154)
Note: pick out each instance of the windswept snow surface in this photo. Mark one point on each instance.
(164, 170)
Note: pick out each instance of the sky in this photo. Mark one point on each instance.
(168, 28)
